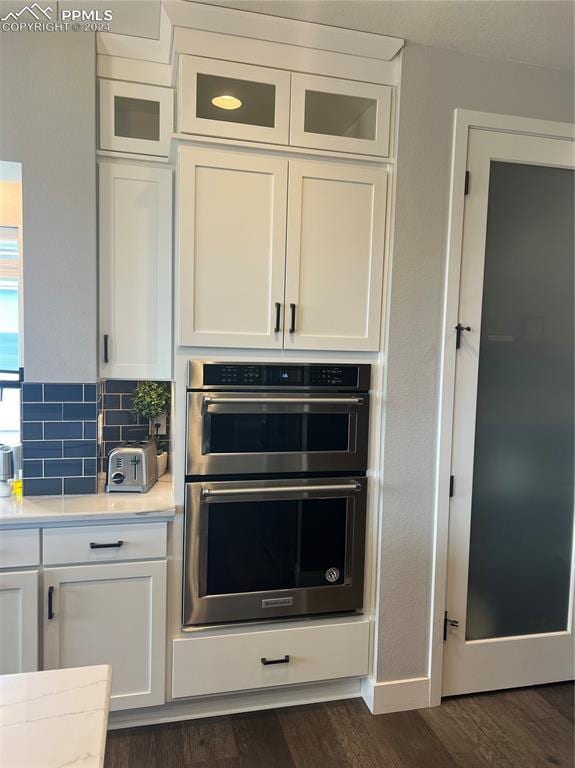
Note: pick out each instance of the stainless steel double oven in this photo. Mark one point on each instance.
(275, 490)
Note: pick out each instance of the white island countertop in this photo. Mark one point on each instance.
(54, 719)
(158, 503)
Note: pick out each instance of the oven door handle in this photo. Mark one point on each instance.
(279, 489)
(208, 400)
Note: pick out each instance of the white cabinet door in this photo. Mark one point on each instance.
(335, 253)
(239, 101)
(110, 614)
(232, 219)
(18, 622)
(136, 118)
(135, 271)
(340, 115)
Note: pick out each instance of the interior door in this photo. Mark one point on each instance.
(510, 571)
(335, 252)
(232, 210)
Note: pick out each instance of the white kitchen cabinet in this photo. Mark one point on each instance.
(136, 118)
(18, 622)
(239, 101)
(232, 219)
(335, 255)
(236, 289)
(110, 614)
(340, 115)
(135, 225)
(262, 658)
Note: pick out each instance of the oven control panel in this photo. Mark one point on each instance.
(276, 375)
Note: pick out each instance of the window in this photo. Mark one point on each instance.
(10, 300)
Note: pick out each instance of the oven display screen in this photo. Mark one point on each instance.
(288, 374)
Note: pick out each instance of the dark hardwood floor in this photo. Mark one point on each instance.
(523, 728)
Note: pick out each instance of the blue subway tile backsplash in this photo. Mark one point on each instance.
(120, 422)
(119, 386)
(41, 449)
(64, 393)
(62, 430)
(80, 411)
(63, 467)
(80, 484)
(33, 430)
(41, 411)
(45, 487)
(90, 430)
(32, 468)
(59, 438)
(32, 393)
(79, 448)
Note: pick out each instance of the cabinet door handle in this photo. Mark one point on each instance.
(278, 310)
(112, 545)
(292, 310)
(106, 356)
(50, 603)
(267, 662)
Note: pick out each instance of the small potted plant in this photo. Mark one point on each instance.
(151, 400)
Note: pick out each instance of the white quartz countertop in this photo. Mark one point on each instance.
(54, 719)
(43, 510)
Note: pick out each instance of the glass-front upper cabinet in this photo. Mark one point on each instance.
(136, 118)
(219, 98)
(340, 115)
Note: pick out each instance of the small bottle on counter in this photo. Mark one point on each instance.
(18, 485)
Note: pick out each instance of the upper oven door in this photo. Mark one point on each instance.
(276, 432)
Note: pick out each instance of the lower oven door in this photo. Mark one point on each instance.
(273, 548)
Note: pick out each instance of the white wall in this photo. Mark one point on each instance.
(47, 122)
(434, 82)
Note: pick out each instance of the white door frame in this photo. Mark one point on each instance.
(463, 121)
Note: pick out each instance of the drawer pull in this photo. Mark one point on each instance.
(267, 662)
(50, 603)
(112, 545)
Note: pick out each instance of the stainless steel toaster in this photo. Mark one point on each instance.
(132, 467)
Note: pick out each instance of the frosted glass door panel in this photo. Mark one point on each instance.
(236, 101)
(337, 114)
(340, 115)
(522, 503)
(137, 118)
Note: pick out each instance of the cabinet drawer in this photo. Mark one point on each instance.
(19, 548)
(235, 661)
(101, 543)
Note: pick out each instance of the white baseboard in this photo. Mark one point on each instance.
(395, 695)
(233, 703)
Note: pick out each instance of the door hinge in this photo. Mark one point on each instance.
(466, 192)
(451, 486)
(447, 622)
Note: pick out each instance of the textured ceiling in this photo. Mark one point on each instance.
(533, 31)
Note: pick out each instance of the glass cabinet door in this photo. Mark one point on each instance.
(136, 118)
(219, 98)
(340, 115)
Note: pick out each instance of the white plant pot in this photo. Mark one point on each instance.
(162, 463)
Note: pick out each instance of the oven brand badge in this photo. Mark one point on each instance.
(332, 575)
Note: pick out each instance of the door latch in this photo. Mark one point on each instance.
(447, 622)
(459, 329)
